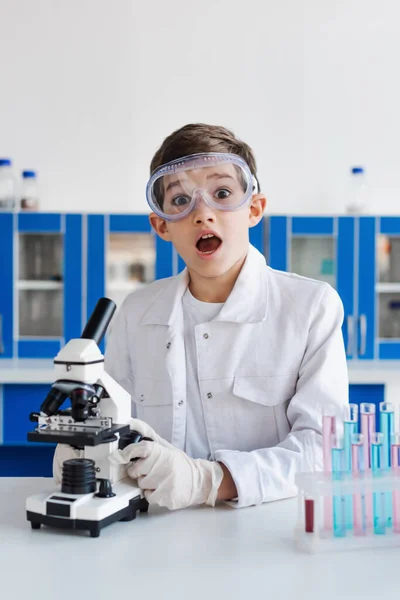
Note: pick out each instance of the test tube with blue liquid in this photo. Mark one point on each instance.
(350, 426)
(379, 509)
(339, 506)
(386, 427)
(358, 468)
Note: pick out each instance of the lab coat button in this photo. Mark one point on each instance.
(168, 345)
(209, 395)
(205, 336)
(180, 402)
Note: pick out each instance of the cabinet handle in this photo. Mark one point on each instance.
(1, 335)
(350, 335)
(363, 335)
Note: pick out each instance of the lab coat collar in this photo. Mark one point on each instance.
(247, 302)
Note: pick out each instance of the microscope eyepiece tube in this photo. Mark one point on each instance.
(99, 320)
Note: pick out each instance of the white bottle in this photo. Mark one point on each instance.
(357, 202)
(29, 191)
(8, 185)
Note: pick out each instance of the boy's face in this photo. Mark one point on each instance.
(227, 231)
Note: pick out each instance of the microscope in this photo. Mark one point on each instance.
(94, 492)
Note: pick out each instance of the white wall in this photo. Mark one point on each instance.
(89, 89)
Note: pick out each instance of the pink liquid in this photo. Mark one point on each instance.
(367, 429)
(395, 460)
(328, 428)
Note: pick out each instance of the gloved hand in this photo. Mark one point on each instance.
(63, 452)
(169, 477)
(148, 432)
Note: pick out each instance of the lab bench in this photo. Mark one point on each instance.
(198, 552)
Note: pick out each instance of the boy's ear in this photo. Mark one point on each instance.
(256, 209)
(160, 226)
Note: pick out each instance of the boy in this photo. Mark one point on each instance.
(227, 362)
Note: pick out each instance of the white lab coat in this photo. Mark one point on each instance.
(266, 363)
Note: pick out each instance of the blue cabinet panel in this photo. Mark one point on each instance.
(39, 222)
(366, 288)
(257, 236)
(6, 285)
(359, 393)
(389, 351)
(312, 225)
(164, 259)
(278, 243)
(345, 280)
(73, 284)
(128, 223)
(26, 461)
(19, 400)
(38, 348)
(390, 225)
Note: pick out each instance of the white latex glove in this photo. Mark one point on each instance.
(147, 431)
(169, 477)
(63, 452)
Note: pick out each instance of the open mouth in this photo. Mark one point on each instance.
(208, 243)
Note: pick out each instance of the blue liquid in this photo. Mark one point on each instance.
(350, 428)
(387, 428)
(339, 502)
(378, 498)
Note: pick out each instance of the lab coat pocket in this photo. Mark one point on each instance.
(264, 406)
(266, 390)
(152, 399)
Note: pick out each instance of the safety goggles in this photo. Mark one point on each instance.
(224, 181)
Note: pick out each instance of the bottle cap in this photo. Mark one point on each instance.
(28, 174)
(5, 162)
(357, 170)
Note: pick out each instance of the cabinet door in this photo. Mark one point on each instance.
(387, 289)
(48, 283)
(320, 248)
(366, 288)
(6, 285)
(123, 254)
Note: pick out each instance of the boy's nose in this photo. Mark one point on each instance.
(202, 211)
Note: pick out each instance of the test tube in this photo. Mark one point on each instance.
(379, 511)
(339, 509)
(357, 461)
(395, 462)
(329, 413)
(367, 412)
(350, 428)
(386, 426)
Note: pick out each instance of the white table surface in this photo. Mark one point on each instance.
(212, 553)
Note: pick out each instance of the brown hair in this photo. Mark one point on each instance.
(199, 137)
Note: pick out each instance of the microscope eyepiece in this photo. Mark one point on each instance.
(99, 320)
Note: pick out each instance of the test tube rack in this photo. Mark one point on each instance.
(317, 488)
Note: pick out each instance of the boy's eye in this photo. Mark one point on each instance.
(180, 201)
(222, 194)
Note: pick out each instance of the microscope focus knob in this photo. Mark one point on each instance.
(105, 489)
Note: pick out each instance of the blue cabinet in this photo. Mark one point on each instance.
(6, 286)
(342, 251)
(45, 282)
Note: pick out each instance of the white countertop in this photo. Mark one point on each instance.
(208, 553)
(41, 371)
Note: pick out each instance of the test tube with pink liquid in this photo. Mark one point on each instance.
(329, 413)
(395, 463)
(368, 428)
(357, 462)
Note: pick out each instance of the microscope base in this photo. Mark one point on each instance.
(85, 512)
